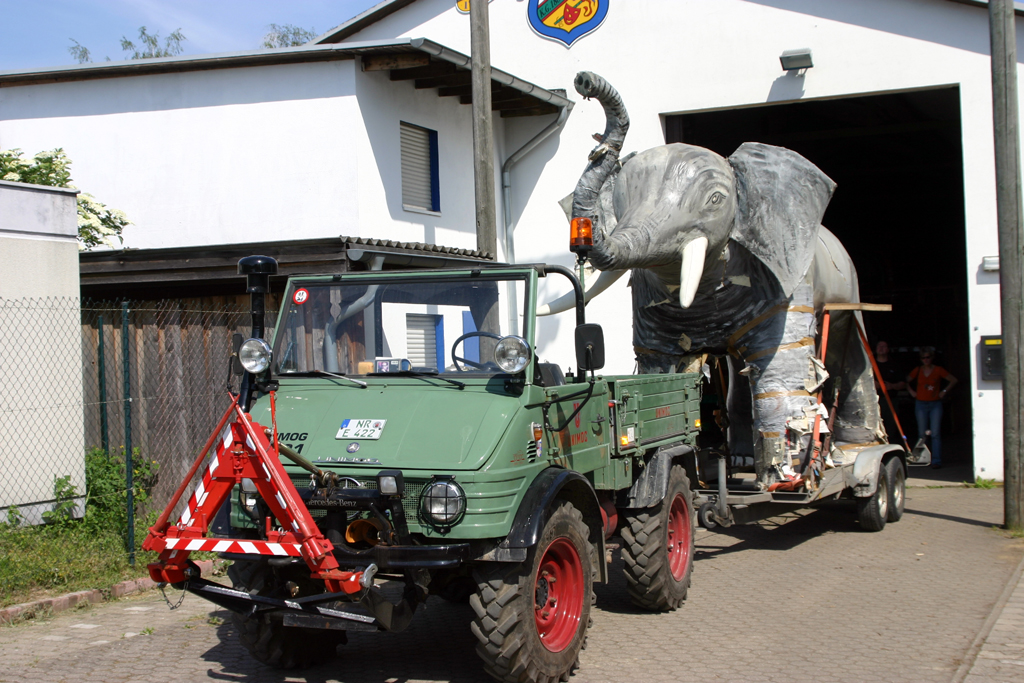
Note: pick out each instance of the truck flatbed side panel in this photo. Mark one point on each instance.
(660, 409)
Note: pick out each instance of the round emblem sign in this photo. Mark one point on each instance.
(300, 296)
(352, 447)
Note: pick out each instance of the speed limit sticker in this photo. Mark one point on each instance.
(300, 296)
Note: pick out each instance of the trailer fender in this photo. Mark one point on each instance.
(650, 487)
(862, 478)
(551, 485)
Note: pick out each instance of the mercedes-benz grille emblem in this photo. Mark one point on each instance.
(352, 447)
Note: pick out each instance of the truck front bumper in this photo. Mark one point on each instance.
(390, 556)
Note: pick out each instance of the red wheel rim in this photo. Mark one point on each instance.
(558, 595)
(679, 530)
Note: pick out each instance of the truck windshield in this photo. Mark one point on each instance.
(388, 326)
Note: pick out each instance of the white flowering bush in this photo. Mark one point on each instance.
(97, 223)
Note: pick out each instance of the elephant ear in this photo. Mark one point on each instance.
(781, 198)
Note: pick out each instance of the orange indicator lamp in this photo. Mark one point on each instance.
(581, 234)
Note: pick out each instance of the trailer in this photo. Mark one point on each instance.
(872, 474)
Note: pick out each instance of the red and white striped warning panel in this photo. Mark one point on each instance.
(224, 545)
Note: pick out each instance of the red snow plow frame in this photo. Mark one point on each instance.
(243, 452)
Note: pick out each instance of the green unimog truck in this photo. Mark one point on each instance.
(436, 454)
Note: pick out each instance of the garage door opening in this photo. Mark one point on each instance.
(899, 210)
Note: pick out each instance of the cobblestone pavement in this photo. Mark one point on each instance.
(805, 597)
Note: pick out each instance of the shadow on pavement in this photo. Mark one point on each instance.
(781, 533)
(437, 646)
(950, 518)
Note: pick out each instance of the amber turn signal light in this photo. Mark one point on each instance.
(581, 234)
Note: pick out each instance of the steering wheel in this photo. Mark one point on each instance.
(490, 367)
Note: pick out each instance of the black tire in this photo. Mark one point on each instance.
(520, 641)
(268, 640)
(658, 547)
(873, 511)
(897, 489)
(706, 516)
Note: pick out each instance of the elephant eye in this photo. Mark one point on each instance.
(716, 198)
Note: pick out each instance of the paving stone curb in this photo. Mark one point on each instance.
(61, 603)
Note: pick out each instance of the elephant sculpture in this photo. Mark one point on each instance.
(729, 257)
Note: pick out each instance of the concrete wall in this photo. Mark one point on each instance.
(41, 431)
(696, 55)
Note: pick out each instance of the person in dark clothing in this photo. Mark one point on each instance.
(893, 377)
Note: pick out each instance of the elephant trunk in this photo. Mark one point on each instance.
(604, 158)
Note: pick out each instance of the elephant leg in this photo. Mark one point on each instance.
(858, 420)
(778, 356)
(741, 434)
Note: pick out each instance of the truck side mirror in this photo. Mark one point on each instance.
(589, 346)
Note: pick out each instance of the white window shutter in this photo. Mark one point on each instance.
(416, 175)
(421, 339)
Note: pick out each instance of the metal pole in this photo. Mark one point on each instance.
(128, 466)
(483, 133)
(104, 433)
(1008, 206)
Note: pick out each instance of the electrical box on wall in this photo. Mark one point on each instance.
(992, 358)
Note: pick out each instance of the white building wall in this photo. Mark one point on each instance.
(263, 153)
(267, 153)
(677, 56)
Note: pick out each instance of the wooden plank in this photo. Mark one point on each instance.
(858, 307)
(431, 71)
(449, 80)
(540, 110)
(399, 60)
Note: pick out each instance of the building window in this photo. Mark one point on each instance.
(425, 340)
(420, 190)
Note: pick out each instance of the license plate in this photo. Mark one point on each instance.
(361, 429)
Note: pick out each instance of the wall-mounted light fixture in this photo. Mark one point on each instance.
(990, 264)
(793, 60)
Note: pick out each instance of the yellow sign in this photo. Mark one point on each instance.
(462, 6)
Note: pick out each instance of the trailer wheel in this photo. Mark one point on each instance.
(268, 640)
(873, 511)
(532, 618)
(658, 548)
(897, 489)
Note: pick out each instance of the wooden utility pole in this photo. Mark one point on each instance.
(1008, 204)
(483, 132)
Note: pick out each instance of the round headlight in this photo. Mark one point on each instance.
(443, 502)
(255, 355)
(512, 354)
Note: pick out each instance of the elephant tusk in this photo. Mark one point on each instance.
(691, 269)
(593, 287)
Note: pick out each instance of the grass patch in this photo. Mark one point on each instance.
(61, 560)
(67, 554)
(982, 483)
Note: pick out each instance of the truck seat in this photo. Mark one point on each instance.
(549, 375)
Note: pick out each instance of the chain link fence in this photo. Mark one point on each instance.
(103, 408)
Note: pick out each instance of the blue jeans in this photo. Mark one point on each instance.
(929, 416)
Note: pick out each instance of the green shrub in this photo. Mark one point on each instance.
(106, 505)
(66, 554)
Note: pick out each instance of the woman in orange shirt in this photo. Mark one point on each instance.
(929, 394)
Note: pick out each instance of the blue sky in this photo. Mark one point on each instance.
(37, 33)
